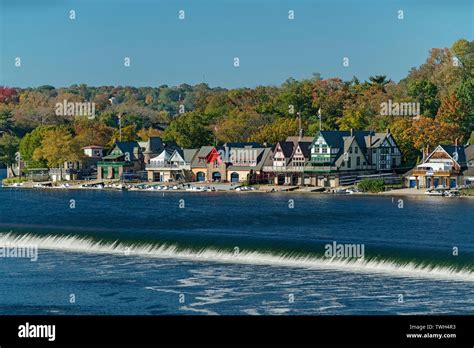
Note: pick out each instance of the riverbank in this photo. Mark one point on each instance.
(234, 253)
(213, 187)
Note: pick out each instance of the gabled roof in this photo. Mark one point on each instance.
(464, 153)
(348, 143)
(305, 148)
(343, 140)
(203, 152)
(286, 148)
(189, 154)
(333, 138)
(165, 155)
(365, 139)
(177, 156)
(262, 156)
(130, 147)
(155, 145)
(452, 150)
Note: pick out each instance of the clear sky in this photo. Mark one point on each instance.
(166, 50)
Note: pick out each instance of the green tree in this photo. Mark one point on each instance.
(129, 133)
(6, 119)
(91, 132)
(465, 94)
(279, 129)
(379, 81)
(330, 96)
(453, 111)
(146, 133)
(189, 130)
(8, 149)
(57, 147)
(425, 93)
(109, 118)
(464, 51)
(239, 126)
(355, 117)
(29, 143)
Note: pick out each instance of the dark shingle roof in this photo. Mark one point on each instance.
(452, 149)
(128, 146)
(287, 148)
(131, 147)
(154, 145)
(305, 148)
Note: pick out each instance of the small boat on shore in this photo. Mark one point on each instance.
(452, 193)
(195, 189)
(434, 193)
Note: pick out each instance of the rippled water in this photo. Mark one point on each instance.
(139, 253)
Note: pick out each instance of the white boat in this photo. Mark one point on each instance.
(195, 189)
(434, 193)
(452, 193)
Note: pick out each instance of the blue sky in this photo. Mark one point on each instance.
(165, 50)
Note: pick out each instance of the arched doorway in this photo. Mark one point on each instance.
(216, 176)
(281, 179)
(200, 176)
(234, 177)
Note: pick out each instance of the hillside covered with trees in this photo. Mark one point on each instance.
(199, 115)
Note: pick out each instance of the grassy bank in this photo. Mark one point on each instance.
(9, 181)
(467, 191)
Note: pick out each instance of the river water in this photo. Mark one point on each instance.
(105, 252)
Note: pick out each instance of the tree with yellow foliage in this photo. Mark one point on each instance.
(57, 147)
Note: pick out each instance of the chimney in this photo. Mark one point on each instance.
(352, 132)
(456, 142)
(388, 131)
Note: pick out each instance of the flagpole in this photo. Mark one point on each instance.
(319, 116)
(120, 125)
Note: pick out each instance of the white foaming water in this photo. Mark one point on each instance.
(88, 245)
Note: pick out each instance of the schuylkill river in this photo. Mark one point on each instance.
(102, 252)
